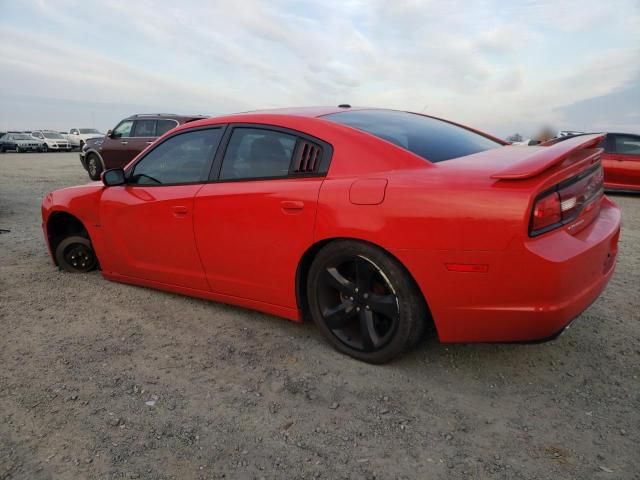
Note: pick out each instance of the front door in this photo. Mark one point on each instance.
(148, 223)
(115, 146)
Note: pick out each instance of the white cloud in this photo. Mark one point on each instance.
(494, 65)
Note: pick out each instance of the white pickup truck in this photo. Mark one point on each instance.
(77, 137)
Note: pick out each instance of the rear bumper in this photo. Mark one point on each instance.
(531, 291)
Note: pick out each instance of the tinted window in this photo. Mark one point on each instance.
(257, 153)
(53, 135)
(123, 130)
(163, 126)
(432, 139)
(144, 128)
(628, 144)
(180, 159)
(88, 130)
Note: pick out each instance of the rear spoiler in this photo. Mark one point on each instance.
(544, 158)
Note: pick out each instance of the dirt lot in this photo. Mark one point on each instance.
(102, 380)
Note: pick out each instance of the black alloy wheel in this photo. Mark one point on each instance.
(75, 254)
(365, 302)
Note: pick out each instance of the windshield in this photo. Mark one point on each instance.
(89, 130)
(432, 139)
(53, 135)
(21, 137)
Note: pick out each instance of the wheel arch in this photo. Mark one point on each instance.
(302, 273)
(62, 224)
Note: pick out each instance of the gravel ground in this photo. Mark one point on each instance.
(103, 380)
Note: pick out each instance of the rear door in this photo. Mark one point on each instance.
(621, 161)
(148, 222)
(254, 223)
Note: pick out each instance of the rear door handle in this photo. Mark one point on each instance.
(292, 205)
(149, 143)
(125, 143)
(179, 211)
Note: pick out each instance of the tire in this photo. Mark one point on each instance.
(81, 146)
(44, 148)
(76, 255)
(364, 301)
(18, 149)
(94, 167)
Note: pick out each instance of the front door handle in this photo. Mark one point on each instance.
(292, 205)
(179, 211)
(125, 143)
(149, 143)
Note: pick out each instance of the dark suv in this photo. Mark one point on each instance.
(132, 135)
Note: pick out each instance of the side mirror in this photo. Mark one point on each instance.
(76, 133)
(113, 177)
(109, 133)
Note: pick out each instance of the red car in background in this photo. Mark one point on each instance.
(620, 160)
(374, 223)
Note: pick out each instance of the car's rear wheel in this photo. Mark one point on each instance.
(365, 302)
(81, 146)
(94, 167)
(18, 149)
(44, 148)
(75, 254)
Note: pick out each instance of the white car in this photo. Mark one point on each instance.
(78, 136)
(53, 141)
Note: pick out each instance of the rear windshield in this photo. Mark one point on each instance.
(53, 135)
(432, 139)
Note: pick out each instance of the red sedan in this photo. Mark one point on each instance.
(620, 160)
(374, 223)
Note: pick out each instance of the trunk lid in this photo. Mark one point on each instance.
(565, 180)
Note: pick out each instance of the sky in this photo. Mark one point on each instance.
(502, 67)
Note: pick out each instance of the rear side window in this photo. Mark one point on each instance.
(144, 128)
(163, 126)
(627, 144)
(257, 153)
(432, 139)
(180, 159)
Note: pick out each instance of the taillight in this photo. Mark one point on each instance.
(564, 202)
(546, 212)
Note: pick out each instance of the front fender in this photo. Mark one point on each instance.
(82, 202)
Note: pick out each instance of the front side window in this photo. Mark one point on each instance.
(179, 159)
(432, 139)
(123, 129)
(163, 126)
(627, 144)
(257, 153)
(144, 128)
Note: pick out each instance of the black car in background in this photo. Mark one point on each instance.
(20, 142)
